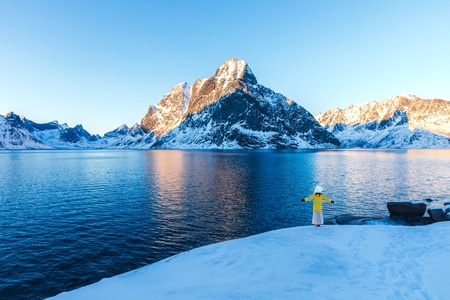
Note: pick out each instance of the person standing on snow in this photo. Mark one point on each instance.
(317, 197)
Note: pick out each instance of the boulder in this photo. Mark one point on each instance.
(446, 208)
(410, 211)
(440, 213)
(437, 214)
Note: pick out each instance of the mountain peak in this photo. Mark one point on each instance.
(12, 115)
(236, 69)
(232, 76)
(15, 119)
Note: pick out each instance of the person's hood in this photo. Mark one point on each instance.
(318, 189)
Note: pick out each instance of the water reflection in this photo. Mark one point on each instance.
(198, 190)
(225, 195)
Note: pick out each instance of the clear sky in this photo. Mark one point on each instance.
(101, 63)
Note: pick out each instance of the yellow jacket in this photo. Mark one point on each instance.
(318, 198)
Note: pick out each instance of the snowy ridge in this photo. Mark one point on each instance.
(399, 122)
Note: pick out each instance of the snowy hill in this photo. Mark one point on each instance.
(231, 110)
(330, 262)
(399, 122)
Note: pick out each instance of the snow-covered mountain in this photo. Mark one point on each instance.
(232, 110)
(13, 134)
(20, 133)
(399, 122)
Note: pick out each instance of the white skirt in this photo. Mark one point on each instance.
(317, 218)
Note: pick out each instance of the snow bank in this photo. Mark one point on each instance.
(330, 262)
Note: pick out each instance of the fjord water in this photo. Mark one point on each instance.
(70, 218)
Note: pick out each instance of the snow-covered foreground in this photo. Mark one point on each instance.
(330, 262)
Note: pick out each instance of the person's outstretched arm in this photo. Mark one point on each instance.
(309, 198)
(327, 199)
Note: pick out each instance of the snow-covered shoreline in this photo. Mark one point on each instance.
(332, 262)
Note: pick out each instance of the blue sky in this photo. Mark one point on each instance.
(102, 63)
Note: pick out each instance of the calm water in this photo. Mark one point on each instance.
(70, 218)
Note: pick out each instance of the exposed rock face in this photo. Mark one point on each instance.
(231, 110)
(169, 112)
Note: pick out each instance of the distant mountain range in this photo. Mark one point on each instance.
(398, 122)
(231, 110)
(20, 133)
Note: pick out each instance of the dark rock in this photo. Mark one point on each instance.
(407, 210)
(437, 214)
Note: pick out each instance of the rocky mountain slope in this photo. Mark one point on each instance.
(398, 122)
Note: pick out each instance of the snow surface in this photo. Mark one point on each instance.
(331, 262)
